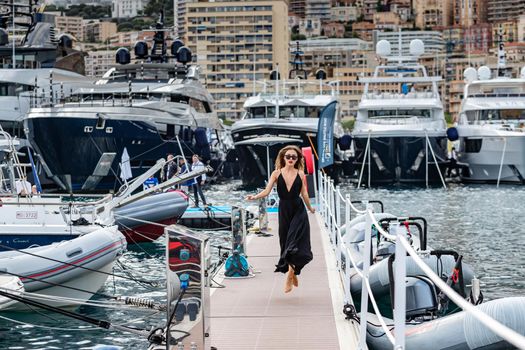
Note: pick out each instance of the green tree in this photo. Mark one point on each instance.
(154, 8)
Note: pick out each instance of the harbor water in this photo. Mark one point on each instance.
(483, 223)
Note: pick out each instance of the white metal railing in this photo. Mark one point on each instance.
(330, 204)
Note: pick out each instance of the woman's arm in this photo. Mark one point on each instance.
(267, 190)
(304, 193)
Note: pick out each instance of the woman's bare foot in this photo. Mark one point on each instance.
(288, 285)
(295, 280)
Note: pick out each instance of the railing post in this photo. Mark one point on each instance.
(332, 210)
(338, 227)
(366, 268)
(347, 259)
(320, 192)
(399, 289)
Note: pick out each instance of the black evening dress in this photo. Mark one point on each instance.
(294, 228)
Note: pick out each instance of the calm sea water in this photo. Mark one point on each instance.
(484, 223)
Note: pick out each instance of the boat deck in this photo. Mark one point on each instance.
(255, 313)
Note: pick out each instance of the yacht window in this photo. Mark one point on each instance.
(400, 113)
(198, 105)
(180, 99)
(499, 114)
(260, 112)
(101, 122)
(13, 89)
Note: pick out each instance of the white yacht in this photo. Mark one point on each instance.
(400, 134)
(149, 109)
(286, 111)
(491, 127)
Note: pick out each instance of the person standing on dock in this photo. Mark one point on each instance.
(199, 181)
(169, 169)
(294, 228)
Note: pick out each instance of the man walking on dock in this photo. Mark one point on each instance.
(197, 165)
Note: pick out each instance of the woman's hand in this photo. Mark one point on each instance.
(250, 197)
(312, 210)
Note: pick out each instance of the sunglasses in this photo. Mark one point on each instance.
(290, 156)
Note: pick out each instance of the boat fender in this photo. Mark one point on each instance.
(509, 311)
(345, 142)
(236, 266)
(308, 159)
(452, 134)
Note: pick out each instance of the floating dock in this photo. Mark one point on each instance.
(255, 313)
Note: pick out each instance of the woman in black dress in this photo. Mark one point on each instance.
(294, 228)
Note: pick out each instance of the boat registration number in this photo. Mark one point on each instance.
(26, 214)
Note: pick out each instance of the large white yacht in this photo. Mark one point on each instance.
(491, 127)
(400, 134)
(286, 111)
(149, 109)
(37, 62)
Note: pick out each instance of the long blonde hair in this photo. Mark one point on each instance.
(280, 162)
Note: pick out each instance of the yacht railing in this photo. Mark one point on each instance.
(331, 203)
(298, 88)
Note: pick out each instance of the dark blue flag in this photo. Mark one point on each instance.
(325, 135)
(35, 174)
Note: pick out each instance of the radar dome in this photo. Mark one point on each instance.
(484, 73)
(417, 47)
(183, 55)
(141, 49)
(123, 56)
(383, 48)
(470, 74)
(65, 41)
(320, 74)
(175, 46)
(275, 75)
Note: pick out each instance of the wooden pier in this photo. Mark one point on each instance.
(255, 313)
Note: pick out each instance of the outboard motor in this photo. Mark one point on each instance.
(421, 297)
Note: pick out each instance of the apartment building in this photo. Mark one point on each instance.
(98, 62)
(433, 40)
(504, 10)
(70, 25)
(344, 13)
(236, 43)
(432, 13)
(468, 13)
(97, 31)
(319, 9)
(127, 8)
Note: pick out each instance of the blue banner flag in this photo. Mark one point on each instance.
(35, 173)
(325, 135)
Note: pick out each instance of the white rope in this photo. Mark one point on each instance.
(379, 228)
(500, 329)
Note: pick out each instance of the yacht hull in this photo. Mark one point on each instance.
(80, 157)
(399, 159)
(485, 156)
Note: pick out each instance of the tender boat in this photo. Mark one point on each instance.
(432, 320)
(83, 263)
